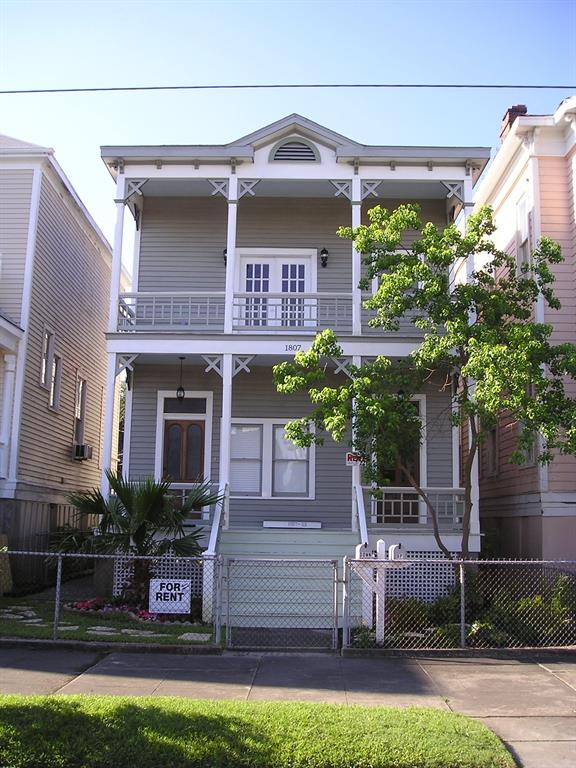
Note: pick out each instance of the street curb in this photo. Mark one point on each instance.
(511, 654)
(82, 645)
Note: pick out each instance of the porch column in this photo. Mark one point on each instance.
(226, 423)
(356, 200)
(356, 468)
(117, 254)
(9, 379)
(110, 399)
(231, 252)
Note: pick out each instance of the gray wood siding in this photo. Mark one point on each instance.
(15, 199)
(181, 244)
(253, 397)
(300, 223)
(70, 290)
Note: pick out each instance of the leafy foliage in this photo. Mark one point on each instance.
(479, 338)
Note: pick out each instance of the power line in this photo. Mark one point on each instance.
(484, 86)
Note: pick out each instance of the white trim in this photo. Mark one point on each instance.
(109, 403)
(116, 276)
(268, 461)
(161, 417)
(240, 344)
(274, 253)
(127, 431)
(24, 318)
(55, 387)
(136, 252)
(231, 227)
(50, 352)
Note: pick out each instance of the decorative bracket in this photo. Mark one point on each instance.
(246, 187)
(133, 187)
(219, 187)
(214, 363)
(369, 188)
(342, 365)
(455, 189)
(241, 363)
(124, 363)
(343, 188)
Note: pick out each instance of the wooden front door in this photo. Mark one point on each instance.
(183, 451)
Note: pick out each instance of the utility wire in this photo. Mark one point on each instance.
(484, 86)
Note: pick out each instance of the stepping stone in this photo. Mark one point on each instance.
(67, 628)
(104, 629)
(14, 616)
(197, 637)
(139, 632)
(100, 632)
(31, 621)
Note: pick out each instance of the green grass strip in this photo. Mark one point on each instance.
(129, 732)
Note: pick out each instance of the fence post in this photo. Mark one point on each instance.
(57, 598)
(228, 627)
(217, 586)
(462, 606)
(335, 605)
(345, 605)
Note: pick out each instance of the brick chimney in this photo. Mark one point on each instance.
(509, 116)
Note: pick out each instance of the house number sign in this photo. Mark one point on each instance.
(169, 596)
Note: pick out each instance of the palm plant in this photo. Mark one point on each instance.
(142, 519)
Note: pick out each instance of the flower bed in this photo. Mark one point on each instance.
(105, 609)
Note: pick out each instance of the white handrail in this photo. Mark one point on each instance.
(361, 513)
(217, 521)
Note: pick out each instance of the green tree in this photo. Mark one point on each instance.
(479, 337)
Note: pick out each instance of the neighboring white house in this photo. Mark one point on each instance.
(237, 265)
(530, 510)
(54, 288)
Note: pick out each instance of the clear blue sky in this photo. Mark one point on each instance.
(83, 43)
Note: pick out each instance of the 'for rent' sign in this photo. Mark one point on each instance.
(169, 596)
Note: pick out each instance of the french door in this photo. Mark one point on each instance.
(274, 290)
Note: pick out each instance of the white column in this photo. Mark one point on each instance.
(356, 468)
(231, 252)
(225, 423)
(8, 382)
(356, 199)
(127, 438)
(117, 255)
(110, 398)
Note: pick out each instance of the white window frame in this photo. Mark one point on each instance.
(522, 232)
(80, 410)
(161, 418)
(55, 382)
(268, 462)
(46, 357)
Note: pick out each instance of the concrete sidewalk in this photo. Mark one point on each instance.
(530, 704)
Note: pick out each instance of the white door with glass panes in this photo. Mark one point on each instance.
(273, 291)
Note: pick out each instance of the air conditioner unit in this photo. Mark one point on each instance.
(82, 452)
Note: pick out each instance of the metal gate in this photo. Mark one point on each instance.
(281, 603)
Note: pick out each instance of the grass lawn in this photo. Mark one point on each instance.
(98, 732)
(163, 632)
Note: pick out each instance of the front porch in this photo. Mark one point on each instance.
(228, 429)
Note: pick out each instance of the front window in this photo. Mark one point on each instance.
(80, 412)
(264, 463)
(55, 381)
(47, 355)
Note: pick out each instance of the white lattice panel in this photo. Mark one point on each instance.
(163, 568)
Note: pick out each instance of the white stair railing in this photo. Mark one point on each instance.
(220, 518)
(361, 514)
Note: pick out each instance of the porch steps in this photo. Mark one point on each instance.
(288, 544)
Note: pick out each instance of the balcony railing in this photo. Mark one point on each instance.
(403, 507)
(294, 312)
(171, 312)
(251, 312)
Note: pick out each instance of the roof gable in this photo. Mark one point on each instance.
(10, 144)
(294, 125)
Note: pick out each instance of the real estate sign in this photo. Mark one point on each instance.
(169, 596)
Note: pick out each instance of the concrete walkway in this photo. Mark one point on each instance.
(530, 704)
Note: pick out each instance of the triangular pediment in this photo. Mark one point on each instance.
(294, 126)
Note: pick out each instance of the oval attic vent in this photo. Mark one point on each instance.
(295, 150)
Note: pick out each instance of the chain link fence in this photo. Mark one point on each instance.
(427, 604)
(281, 603)
(415, 604)
(46, 595)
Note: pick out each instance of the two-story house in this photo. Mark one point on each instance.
(237, 266)
(530, 510)
(55, 269)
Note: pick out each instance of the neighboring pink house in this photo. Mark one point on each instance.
(530, 510)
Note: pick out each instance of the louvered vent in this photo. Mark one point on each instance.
(295, 150)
